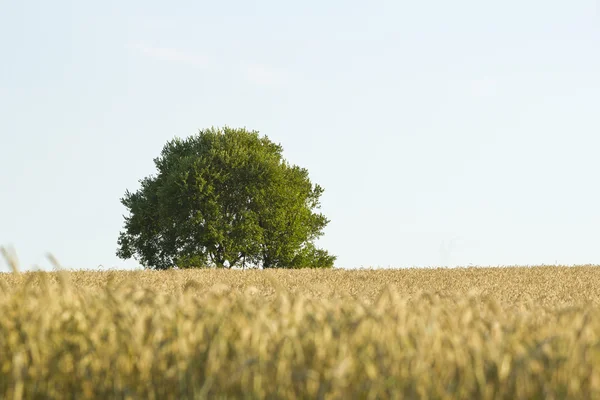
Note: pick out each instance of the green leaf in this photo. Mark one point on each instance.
(224, 198)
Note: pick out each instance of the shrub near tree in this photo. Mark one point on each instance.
(224, 198)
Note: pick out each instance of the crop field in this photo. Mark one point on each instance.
(490, 333)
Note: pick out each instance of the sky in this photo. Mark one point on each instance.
(444, 133)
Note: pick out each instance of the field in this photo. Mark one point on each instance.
(491, 333)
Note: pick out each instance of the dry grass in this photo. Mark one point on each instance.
(438, 334)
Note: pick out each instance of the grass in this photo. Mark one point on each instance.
(491, 333)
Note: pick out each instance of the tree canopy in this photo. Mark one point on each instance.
(224, 198)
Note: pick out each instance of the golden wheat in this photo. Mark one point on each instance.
(504, 333)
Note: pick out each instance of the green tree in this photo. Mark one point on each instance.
(224, 198)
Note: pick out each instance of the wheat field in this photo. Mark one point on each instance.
(489, 333)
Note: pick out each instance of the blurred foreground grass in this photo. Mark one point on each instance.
(438, 334)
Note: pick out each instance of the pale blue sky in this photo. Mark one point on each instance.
(444, 133)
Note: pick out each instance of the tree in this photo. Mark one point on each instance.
(224, 198)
